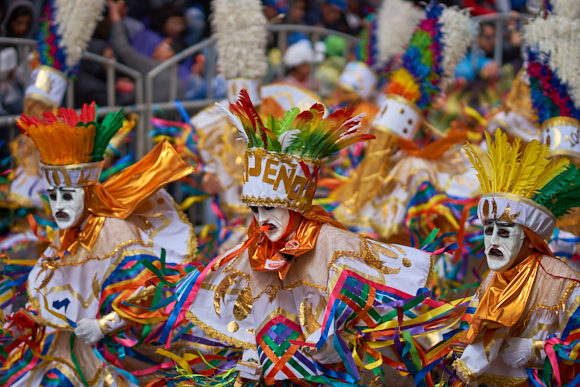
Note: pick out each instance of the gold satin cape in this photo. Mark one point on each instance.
(121, 194)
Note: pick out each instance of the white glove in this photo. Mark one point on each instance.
(89, 331)
(250, 369)
(327, 355)
(516, 352)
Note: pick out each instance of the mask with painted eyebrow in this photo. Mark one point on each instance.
(67, 211)
(502, 244)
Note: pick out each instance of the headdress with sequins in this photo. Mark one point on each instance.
(552, 66)
(71, 148)
(438, 44)
(284, 156)
(524, 186)
(66, 27)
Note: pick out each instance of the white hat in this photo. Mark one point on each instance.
(359, 78)
(298, 54)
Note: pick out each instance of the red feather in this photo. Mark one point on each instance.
(302, 120)
(246, 103)
(89, 112)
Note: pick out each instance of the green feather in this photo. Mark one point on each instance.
(105, 132)
(286, 122)
(557, 186)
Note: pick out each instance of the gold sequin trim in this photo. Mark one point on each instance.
(431, 270)
(537, 308)
(272, 291)
(277, 202)
(59, 263)
(469, 376)
(217, 334)
(284, 157)
(90, 382)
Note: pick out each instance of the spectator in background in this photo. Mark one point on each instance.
(11, 93)
(132, 25)
(91, 82)
(298, 60)
(296, 12)
(482, 66)
(196, 24)
(17, 21)
(142, 63)
(329, 14)
(196, 85)
(167, 25)
(167, 21)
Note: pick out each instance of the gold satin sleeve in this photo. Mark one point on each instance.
(122, 193)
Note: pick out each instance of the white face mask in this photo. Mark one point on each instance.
(503, 242)
(67, 205)
(276, 217)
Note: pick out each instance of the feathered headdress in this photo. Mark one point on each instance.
(241, 31)
(380, 40)
(284, 155)
(525, 187)
(66, 27)
(554, 69)
(397, 19)
(437, 45)
(439, 42)
(71, 148)
(566, 8)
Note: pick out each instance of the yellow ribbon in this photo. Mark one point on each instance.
(179, 360)
(188, 202)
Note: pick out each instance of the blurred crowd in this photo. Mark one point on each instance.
(143, 33)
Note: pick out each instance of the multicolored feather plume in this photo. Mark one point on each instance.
(302, 134)
(554, 66)
(554, 184)
(80, 139)
(66, 27)
(437, 45)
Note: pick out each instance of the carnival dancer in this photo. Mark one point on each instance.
(60, 45)
(292, 295)
(394, 167)
(385, 35)
(529, 300)
(555, 97)
(240, 29)
(110, 234)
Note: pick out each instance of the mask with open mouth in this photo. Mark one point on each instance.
(275, 218)
(503, 242)
(67, 205)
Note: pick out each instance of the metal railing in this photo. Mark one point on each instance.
(145, 86)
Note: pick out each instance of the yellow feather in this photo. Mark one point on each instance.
(502, 152)
(527, 165)
(479, 167)
(532, 167)
(513, 165)
(550, 173)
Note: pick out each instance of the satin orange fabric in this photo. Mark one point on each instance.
(121, 194)
(437, 148)
(504, 300)
(262, 249)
